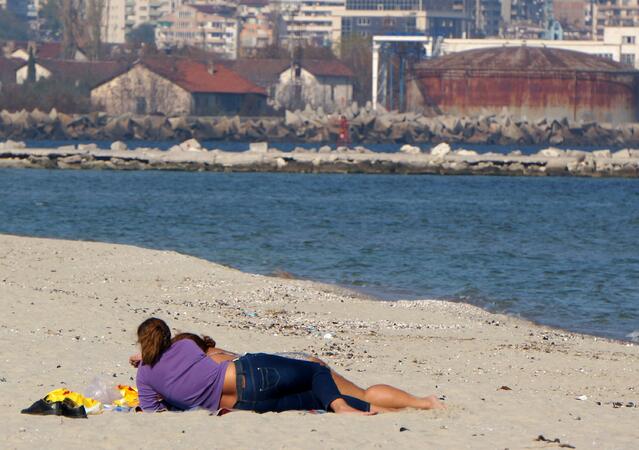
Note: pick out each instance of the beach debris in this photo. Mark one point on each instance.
(504, 388)
(582, 397)
(402, 429)
(328, 336)
(542, 438)
(617, 404)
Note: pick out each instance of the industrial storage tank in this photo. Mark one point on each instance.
(531, 82)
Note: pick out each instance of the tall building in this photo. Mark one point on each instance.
(450, 18)
(614, 13)
(571, 13)
(121, 16)
(150, 11)
(114, 26)
(379, 17)
(487, 17)
(209, 27)
(307, 21)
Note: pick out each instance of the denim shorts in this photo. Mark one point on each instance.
(270, 383)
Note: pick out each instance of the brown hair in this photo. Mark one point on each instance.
(204, 342)
(154, 337)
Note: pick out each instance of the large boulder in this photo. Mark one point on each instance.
(258, 147)
(440, 149)
(410, 149)
(624, 153)
(464, 152)
(191, 145)
(601, 154)
(551, 152)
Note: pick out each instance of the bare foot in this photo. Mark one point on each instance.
(431, 402)
(339, 406)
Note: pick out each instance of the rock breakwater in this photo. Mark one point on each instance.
(441, 159)
(365, 126)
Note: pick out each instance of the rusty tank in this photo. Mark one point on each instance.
(530, 82)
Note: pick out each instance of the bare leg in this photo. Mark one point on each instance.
(339, 406)
(392, 397)
(383, 397)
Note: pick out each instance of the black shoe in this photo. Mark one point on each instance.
(69, 409)
(44, 408)
(66, 408)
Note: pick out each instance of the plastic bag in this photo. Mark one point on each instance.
(101, 390)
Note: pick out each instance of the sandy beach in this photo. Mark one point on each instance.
(70, 310)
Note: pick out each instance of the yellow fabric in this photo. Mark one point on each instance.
(90, 405)
(129, 396)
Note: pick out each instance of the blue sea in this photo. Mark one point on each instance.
(559, 251)
(237, 146)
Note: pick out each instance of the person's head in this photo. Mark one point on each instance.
(204, 342)
(154, 337)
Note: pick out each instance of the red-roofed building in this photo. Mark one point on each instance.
(175, 86)
(47, 50)
(90, 73)
(325, 83)
(8, 68)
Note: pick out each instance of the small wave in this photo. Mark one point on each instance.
(634, 336)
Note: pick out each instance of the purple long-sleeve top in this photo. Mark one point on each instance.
(183, 378)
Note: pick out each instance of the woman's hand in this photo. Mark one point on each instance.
(134, 360)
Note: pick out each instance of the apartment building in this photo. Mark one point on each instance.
(256, 26)
(312, 22)
(114, 21)
(627, 41)
(150, 11)
(121, 16)
(209, 27)
(614, 13)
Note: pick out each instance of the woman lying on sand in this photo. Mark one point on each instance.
(178, 374)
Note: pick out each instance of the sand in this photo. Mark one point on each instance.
(70, 309)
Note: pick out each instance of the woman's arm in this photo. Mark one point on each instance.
(134, 360)
(150, 400)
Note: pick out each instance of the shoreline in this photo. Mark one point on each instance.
(71, 308)
(371, 296)
(362, 294)
(440, 160)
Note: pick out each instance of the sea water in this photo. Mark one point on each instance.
(559, 251)
(287, 146)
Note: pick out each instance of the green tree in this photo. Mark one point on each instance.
(50, 15)
(356, 53)
(142, 34)
(12, 28)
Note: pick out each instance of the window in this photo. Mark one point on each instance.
(628, 40)
(628, 58)
(140, 105)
